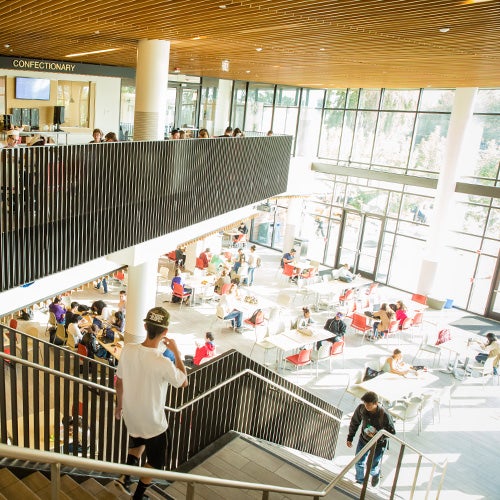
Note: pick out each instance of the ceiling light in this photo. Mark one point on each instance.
(225, 65)
(322, 49)
(96, 32)
(222, 6)
(6, 45)
(444, 29)
(247, 71)
(258, 49)
(196, 38)
(90, 53)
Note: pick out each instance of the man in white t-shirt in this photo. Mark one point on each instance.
(143, 376)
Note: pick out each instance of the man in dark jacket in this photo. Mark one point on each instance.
(337, 327)
(372, 417)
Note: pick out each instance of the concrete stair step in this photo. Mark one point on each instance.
(13, 488)
(98, 491)
(40, 485)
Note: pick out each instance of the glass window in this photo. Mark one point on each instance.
(469, 218)
(481, 284)
(493, 225)
(333, 241)
(369, 98)
(259, 113)
(429, 142)
(487, 101)
(400, 100)
(352, 98)
(75, 97)
(335, 98)
(436, 100)
(485, 142)
(393, 139)
(127, 108)
(364, 136)
(287, 96)
(331, 134)
(208, 103)
(416, 208)
(406, 261)
(309, 129)
(239, 102)
(347, 135)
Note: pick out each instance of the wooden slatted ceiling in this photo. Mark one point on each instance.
(367, 43)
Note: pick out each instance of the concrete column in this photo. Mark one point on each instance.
(456, 143)
(292, 222)
(191, 254)
(151, 89)
(141, 296)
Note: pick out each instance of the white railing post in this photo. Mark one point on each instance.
(55, 480)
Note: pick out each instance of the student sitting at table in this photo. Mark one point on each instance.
(395, 364)
(205, 257)
(385, 315)
(100, 308)
(72, 311)
(89, 340)
(74, 333)
(227, 308)
(288, 257)
(400, 310)
(203, 350)
(58, 309)
(239, 259)
(178, 279)
(119, 321)
(337, 327)
(343, 274)
(304, 320)
(492, 348)
(224, 279)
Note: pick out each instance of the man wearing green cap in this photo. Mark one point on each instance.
(143, 376)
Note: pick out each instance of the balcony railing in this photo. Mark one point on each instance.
(65, 205)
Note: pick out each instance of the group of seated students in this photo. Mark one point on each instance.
(78, 319)
(99, 137)
(386, 314)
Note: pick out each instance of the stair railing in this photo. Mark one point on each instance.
(57, 459)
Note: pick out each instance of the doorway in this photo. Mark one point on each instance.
(360, 241)
(493, 303)
(182, 107)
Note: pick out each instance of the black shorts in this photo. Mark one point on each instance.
(156, 448)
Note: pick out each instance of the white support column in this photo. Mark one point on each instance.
(293, 217)
(151, 89)
(456, 142)
(141, 296)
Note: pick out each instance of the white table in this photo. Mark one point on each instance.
(391, 387)
(293, 340)
(199, 286)
(335, 287)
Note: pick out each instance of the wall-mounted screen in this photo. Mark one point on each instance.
(33, 88)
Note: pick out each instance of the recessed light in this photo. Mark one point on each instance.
(322, 49)
(7, 46)
(196, 38)
(96, 32)
(258, 49)
(222, 6)
(90, 53)
(225, 65)
(445, 29)
(247, 71)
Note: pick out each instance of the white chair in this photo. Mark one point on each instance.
(430, 348)
(485, 370)
(407, 410)
(321, 354)
(353, 387)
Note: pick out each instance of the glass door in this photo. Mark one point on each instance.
(360, 243)
(493, 305)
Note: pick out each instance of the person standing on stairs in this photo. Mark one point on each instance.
(143, 376)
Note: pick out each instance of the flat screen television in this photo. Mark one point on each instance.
(33, 88)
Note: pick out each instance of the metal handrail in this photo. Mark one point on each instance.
(118, 468)
(185, 405)
(56, 459)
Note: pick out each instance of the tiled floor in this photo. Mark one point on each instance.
(468, 437)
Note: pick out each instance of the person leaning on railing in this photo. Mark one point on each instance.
(371, 417)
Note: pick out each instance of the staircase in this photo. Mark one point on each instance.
(234, 456)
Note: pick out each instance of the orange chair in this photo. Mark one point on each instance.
(290, 271)
(255, 324)
(418, 320)
(336, 349)
(225, 289)
(392, 330)
(371, 288)
(199, 263)
(13, 323)
(349, 295)
(171, 255)
(420, 299)
(180, 293)
(303, 358)
(360, 323)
